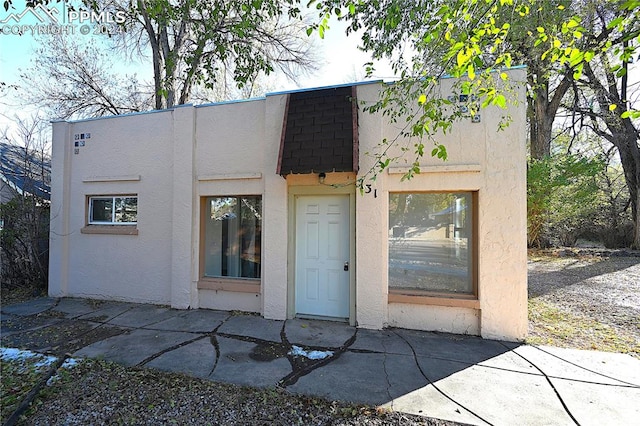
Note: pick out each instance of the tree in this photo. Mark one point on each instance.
(601, 98)
(613, 223)
(561, 194)
(604, 111)
(71, 80)
(192, 41)
(194, 47)
(475, 40)
(24, 235)
(548, 82)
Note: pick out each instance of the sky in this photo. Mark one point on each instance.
(339, 61)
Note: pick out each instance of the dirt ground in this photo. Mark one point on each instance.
(585, 299)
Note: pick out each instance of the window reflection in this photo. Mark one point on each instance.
(430, 242)
(233, 236)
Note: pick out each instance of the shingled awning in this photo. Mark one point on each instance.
(320, 132)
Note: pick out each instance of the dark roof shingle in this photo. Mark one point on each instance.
(320, 132)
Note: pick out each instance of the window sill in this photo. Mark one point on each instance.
(110, 229)
(238, 285)
(415, 297)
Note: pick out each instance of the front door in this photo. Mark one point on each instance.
(322, 256)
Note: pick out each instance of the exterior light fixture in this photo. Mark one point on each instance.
(322, 176)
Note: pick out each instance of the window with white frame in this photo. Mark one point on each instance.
(232, 236)
(431, 242)
(113, 210)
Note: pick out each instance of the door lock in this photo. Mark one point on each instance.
(346, 266)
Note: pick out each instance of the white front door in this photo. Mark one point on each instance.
(322, 256)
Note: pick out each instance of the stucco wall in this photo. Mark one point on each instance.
(173, 159)
(229, 160)
(118, 153)
(481, 159)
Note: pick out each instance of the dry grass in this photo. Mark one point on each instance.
(553, 326)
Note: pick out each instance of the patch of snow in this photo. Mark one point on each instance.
(70, 363)
(13, 354)
(67, 364)
(298, 351)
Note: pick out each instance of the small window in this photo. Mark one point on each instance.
(119, 210)
(431, 242)
(233, 235)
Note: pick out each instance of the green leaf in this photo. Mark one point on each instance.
(577, 72)
(612, 107)
(614, 23)
(573, 22)
(471, 72)
(500, 101)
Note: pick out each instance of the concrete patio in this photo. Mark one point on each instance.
(460, 378)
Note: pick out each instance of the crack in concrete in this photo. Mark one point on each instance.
(364, 351)
(386, 373)
(169, 349)
(285, 341)
(548, 379)
(110, 319)
(626, 384)
(303, 370)
(216, 344)
(415, 357)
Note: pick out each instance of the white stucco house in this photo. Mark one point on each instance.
(252, 206)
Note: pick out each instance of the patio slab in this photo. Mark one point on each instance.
(105, 311)
(383, 341)
(196, 359)
(252, 326)
(589, 366)
(31, 307)
(197, 321)
(467, 349)
(134, 347)
(370, 378)
(321, 334)
(597, 404)
(235, 365)
(73, 307)
(143, 316)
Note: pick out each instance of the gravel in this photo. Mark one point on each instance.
(601, 285)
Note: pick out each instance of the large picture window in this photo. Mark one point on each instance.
(233, 234)
(431, 242)
(113, 210)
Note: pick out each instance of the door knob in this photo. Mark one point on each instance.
(346, 266)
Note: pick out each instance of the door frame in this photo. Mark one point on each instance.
(298, 191)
